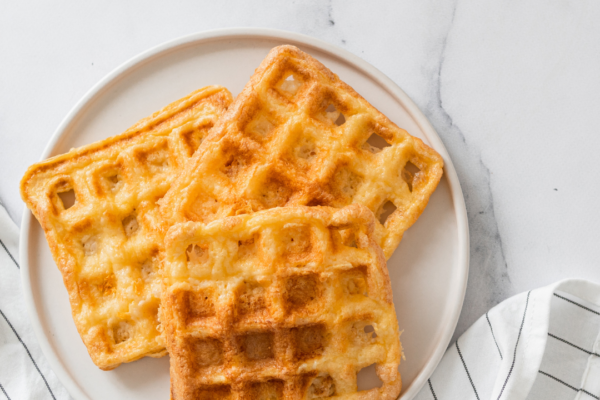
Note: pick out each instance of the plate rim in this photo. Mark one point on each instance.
(266, 33)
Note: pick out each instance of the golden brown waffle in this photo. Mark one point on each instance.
(106, 243)
(298, 135)
(277, 305)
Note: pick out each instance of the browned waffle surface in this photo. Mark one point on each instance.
(298, 135)
(287, 303)
(97, 206)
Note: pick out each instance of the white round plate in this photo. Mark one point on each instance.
(428, 270)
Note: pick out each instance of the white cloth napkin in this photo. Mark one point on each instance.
(543, 344)
(24, 372)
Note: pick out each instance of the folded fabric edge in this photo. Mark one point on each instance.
(519, 370)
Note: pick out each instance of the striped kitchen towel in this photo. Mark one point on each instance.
(543, 344)
(24, 372)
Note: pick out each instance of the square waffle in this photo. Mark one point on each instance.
(97, 206)
(278, 305)
(298, 135)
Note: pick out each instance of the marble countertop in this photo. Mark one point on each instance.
(513, 89)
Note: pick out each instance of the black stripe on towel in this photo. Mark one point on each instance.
(466, 370)
(10, 255)
(569, 386)
(512, 366)
(28, 353)
(577, 304)
(494, 336)
(589, 394)
(4, 391)
(591, 353)
(431, 388)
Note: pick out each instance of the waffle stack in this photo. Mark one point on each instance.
(257, 227)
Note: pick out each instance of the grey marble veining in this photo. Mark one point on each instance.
(512, 88)
(492, 283)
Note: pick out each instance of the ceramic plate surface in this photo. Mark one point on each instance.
(428, 270)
